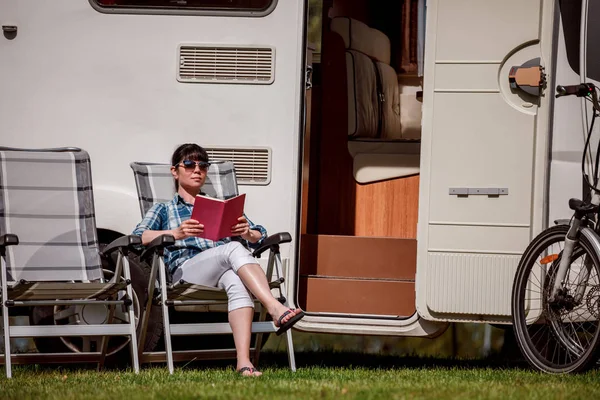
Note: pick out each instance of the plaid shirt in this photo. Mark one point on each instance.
(167, 216)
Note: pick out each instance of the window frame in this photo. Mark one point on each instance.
(168, 11)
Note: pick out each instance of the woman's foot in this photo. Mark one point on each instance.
(248, 370)
(287, 319)
(282, 314)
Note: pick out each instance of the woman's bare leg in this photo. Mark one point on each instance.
(241, 324)
(255, 280)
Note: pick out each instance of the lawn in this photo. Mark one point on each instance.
(320, 375)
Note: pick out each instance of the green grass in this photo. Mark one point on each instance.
(320, 375)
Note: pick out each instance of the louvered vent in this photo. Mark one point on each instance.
(252, 165)
(226, 64)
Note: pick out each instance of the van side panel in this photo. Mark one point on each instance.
(108, 83)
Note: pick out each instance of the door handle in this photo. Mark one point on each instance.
(529, 77)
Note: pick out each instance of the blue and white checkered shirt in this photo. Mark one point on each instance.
(169, 215)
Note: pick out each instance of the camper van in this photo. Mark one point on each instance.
(412, 153)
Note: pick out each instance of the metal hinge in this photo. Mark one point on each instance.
(464, 192)
(309, 71)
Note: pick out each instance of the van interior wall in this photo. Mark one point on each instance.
(358, 248)
(341, 206)
(346, 207)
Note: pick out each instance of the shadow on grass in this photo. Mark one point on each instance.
(380, 361)
(331, 359)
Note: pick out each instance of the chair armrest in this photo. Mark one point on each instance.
(124, 242)
(273, 242)
(9, 239)
(157, 246)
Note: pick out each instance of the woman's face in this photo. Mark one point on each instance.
(190, 174)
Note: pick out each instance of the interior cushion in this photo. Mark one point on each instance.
(359, 37)
(391, 127)
(362, 95)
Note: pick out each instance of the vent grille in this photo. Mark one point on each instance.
(252, 165)
(225, 64)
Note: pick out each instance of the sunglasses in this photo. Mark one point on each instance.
(190, 165)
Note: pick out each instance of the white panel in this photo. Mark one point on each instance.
(466, 77)
(470, 283)
(479, 141)
(482, 239)
(484, 29)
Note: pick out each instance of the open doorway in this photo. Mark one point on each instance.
(362, 152)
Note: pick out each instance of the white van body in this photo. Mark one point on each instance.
(110, 81)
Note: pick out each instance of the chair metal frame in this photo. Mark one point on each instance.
(46, 292)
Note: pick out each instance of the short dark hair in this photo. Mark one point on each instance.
(188, 151)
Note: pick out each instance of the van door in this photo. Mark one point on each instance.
(484, 152)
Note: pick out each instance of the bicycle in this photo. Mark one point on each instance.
(556, 291)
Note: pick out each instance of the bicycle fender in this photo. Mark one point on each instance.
(592, 237)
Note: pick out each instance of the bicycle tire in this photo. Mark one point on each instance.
(557, 338)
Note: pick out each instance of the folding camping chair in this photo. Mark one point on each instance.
(49, 253)
(155, 184)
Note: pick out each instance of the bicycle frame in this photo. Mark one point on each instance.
(565, 261)
(576, 229)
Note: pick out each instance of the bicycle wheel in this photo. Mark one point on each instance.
(561, 336)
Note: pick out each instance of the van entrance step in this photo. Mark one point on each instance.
(357, 275)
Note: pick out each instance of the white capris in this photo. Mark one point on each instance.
(217, 267)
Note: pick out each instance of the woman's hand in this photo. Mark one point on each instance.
(242, 228)
(187, 229)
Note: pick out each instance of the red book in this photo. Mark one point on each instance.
(218, 216)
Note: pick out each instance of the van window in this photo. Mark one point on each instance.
(570, 11)
(200, 5)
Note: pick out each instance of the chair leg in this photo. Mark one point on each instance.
(283, 292)
(263, 311)
(290, 349)
(146, 313)
(165, 310)
(259, 337)
(275, 263)
(132, 332)
(105, 339)
(6, 329)
(5, 322)
(111, 314)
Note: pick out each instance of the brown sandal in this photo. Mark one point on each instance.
(283, 327)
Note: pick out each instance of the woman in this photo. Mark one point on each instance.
(226, 264)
